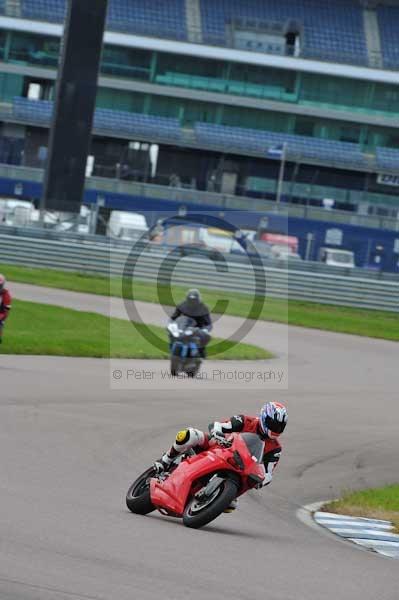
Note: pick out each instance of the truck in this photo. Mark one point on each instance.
(337, 258)
(126, 225)
(16, 213)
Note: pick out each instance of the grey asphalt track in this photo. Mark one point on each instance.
(70, 447)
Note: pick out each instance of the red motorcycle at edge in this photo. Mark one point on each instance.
(199, 487)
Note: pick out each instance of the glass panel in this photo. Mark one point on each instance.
(200, 67)
(130, 63)
(120, 100)
(34, 49)
(199, 111)
(164, 107)
(3, 38)
(386, 98)
(10, 86)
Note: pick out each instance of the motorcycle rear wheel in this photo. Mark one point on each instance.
(138, 498)
(194, 516)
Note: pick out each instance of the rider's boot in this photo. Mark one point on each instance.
(232, 506)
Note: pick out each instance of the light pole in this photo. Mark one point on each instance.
(281, 175)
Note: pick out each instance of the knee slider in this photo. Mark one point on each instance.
(182, 437)
(188, 438)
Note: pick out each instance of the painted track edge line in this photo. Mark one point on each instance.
(305, 515)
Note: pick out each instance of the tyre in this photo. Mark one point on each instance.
(174, 366)
(194, 372)
(138, 499)
(197, 513)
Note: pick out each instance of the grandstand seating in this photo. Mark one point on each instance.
(162, 18)
(260, 141)
(36, 111)
(219, 136)
(47, 10)
(388, 20)
(332, 28)
(388, 158)
(111, 121)
(137, 124)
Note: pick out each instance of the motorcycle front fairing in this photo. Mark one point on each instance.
(172, 493)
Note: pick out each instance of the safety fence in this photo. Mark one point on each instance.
(157, 264)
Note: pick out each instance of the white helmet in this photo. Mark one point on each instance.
(273, 419)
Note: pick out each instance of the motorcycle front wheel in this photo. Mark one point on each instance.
(138, 498)
(199, 513)
(174, 366)
(194, 371)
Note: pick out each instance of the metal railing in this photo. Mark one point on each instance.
(232, 277)
(105, 241)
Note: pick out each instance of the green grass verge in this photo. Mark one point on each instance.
(368, 323)
(41, 329)
(378, 503)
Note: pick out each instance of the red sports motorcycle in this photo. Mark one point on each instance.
(199, 487)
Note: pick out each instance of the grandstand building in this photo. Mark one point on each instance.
(221, 88)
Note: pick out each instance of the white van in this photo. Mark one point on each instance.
(15, 212)
(337, 258)
(126, 225)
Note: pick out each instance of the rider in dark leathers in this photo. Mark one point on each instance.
(194, 308)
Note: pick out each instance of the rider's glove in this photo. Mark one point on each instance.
(163, 464)
(217, 428)
(159, 467)
(219, 437)
(216, 431)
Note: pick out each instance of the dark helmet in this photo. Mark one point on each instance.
(193, 297)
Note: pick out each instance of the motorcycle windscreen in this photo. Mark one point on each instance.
(255, 445)
(184, 322)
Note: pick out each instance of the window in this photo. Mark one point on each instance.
(350, 134)
(304, 126)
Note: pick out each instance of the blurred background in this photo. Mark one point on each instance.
(286, 111)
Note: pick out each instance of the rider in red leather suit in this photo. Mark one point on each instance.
(5, 303)
(268, 425)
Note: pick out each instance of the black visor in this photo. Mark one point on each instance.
(275, 425)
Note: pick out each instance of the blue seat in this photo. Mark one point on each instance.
(333, 29)
(389, 33)
(48, 10)
(388, 158)
(254, 140)
(161, 18)
(111, 121)
(36, 111)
